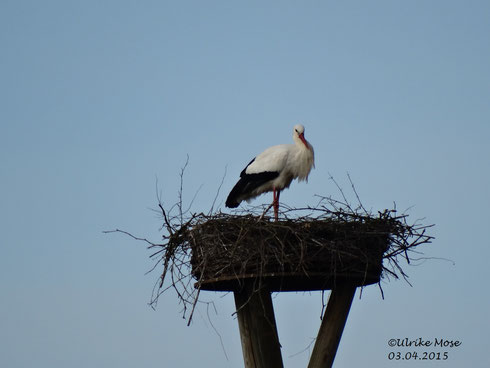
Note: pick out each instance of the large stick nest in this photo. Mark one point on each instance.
(308, 249)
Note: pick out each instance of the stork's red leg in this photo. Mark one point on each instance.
(276, 203)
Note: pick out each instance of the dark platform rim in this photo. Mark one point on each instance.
(289, 281)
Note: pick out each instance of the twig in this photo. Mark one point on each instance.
(217, 192)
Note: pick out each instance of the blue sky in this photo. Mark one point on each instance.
(98, 99)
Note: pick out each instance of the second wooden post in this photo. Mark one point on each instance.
(332, 326)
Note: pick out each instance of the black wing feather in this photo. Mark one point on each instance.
(247, 183)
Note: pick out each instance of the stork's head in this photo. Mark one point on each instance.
(299, 133)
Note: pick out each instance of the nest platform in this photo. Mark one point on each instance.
(288, 255)
(307, 249)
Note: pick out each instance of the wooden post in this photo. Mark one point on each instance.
(258, 331)
(332, 326)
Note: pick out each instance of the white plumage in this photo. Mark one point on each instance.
(273, 170)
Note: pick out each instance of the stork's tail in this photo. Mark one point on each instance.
(232, 201)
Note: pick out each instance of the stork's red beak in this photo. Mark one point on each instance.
(302, 137)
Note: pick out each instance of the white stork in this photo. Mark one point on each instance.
(273, 170)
